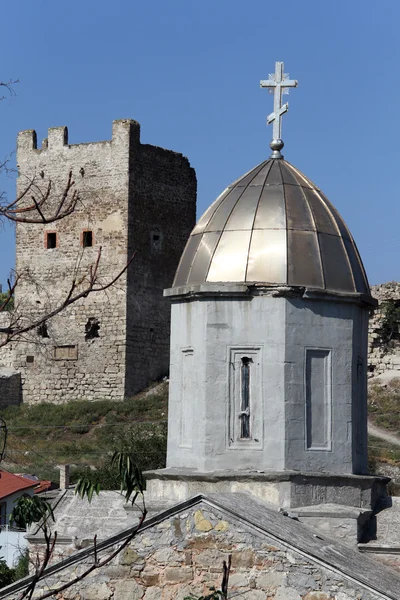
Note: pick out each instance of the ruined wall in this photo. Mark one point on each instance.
(183, 555)
(69, 360)
(383, 355)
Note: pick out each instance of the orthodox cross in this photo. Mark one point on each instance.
(278, 83)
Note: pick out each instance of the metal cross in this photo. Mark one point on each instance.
(278, 83)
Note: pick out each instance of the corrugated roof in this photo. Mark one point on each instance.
(10, 483)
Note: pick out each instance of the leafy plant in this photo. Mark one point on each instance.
(7, 575)
(390, 320)
(29, 510)
(130, 477)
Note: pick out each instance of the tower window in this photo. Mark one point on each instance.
(87, 238)
(156, 241)
(50, 240)
(245, 398)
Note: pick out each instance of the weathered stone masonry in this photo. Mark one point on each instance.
(133, 198)
(383, 357)
(182, 554)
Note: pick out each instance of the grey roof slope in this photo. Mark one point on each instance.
(273, 226)
(333, 555)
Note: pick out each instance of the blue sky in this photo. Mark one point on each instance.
(189, 72)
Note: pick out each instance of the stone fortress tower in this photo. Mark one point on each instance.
(268, 376)
(134, 197)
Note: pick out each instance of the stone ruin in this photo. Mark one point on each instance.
(383, 353)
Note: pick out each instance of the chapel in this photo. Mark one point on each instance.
(270, 307)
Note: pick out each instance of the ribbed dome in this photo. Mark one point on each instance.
(273, 226)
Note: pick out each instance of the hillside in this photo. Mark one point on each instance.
(85, 434)
(384, 412)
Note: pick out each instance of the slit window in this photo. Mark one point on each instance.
(87, 239)
(51, 240)
(245, 413)
(245, 398)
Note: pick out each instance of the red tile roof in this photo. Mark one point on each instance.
(10, 483)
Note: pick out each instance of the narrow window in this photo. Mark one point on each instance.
(245, 398)
(51, 240)
(156, 241)
(87, 239)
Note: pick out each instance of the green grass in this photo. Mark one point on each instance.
(85, 435)
(384, 405)
(381, 451)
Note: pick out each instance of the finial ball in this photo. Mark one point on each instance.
(276, 144)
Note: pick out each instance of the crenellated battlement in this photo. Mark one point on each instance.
(124, 132)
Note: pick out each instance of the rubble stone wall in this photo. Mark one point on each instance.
(382, 357)
(184, 554)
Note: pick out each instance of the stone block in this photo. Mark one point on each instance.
(222, 526)
(287, 593)
(243, 558)
(96, 592)
(323, 596)
(271, 580)
(178, 574)
(127, 589)
(201, 523)
(150, 576)
(208, 558)
(238, 580)
(130, 556)
(168, 556)
(153, 593)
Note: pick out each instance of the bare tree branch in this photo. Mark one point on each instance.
(34, 212)
(9, 86)
(97, 564)
(73, 295)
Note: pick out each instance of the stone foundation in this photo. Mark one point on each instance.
(283, 489)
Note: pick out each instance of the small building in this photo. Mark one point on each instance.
(12, 539)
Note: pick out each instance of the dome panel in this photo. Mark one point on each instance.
(273, 226)
(221, 215)
(242, 215)
(322, 217)
(274, 175)
(205, 218)
(187, 259)
(259, 179)
(304, 260)
(335, 262)
(265, 262)
(230, 256)
(271, 212)
(202, 259)
(298, 212)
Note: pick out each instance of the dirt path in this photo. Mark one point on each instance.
(383, 434)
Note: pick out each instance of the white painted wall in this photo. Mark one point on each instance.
(206, 332)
